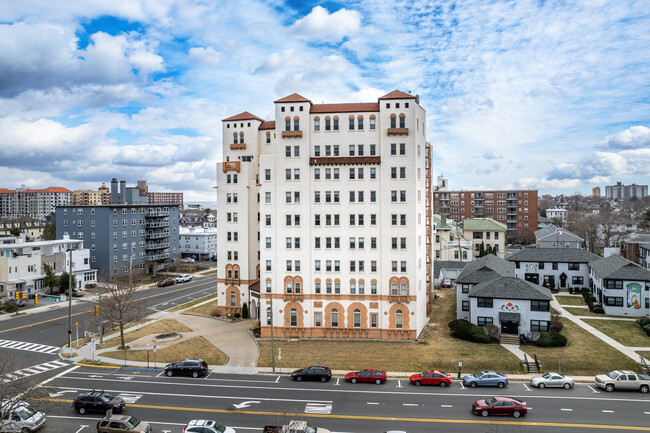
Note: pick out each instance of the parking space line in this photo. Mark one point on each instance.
(337, 381)
(277, 380)
(399, 384)
(596, 392)
(527, 389)
(461, 385)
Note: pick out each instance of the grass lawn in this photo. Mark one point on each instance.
(160, 327)
(214, 271)
(625, 332)
(435, 350)
(194, 302)
(570, 300)
(203, 310)
(645, 354)
(197, 347)
(582, 312)
(584, 355)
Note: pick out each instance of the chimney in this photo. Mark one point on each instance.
(123, 192)
(443, 220)
(114, 198)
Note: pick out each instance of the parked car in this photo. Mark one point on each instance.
(500, 406)
(187, 260)
(486, 378)
(123, 424)
(213, 258)
(20, 417)
(206, 426)
(431, 377)
(552, 380)
(623, 379)
(294, 426)
(97, 401)
(183, 278)
(315, 372)
(367, 375)
(187, 367)
(446, 283)
(165, 282)
(78, 293)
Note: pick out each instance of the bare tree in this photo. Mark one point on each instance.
(119, 304)
(585, 226)
(17, 385)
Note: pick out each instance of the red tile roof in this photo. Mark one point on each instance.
(50, 189)
(7, 191)
(243, 116)
(267, 124)
(345, 108)
(396, 94)
(294, 97)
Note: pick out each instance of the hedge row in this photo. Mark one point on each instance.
(644, 323)
(551, 339)
(464, 330)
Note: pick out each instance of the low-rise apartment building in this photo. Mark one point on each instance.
(449, 242)
(555, 268)
(555, 237)
(485, 232)
(621, 286)
(200, 242)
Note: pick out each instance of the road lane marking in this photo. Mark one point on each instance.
(409, 404)
(607, 411)
(381, 418)
(373, 403)
(527, 389)
(82, 427)
(446, 405)
(567, 410)
(361, 390)
(318, 408)
(647, 413)
(597, 392)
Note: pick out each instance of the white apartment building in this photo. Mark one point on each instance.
(201, 242)
(36, 203)
(324, 212)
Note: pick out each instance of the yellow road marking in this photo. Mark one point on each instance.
(93, 311)
(383, 418)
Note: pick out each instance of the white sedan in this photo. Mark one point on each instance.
(552, 380)
(183, 278)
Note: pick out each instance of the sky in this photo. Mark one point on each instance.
(548, 95)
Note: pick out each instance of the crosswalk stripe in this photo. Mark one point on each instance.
(30, 347)
(33, 370)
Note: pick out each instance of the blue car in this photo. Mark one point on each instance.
(486, 378)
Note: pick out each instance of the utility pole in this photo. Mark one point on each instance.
(272, 342)
(70, 302)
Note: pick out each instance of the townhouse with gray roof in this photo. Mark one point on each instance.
(621, 286)
(555, 237)
(489, 292)
(554, 267)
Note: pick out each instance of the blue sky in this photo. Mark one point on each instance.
(551, 95)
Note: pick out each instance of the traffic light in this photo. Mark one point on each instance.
(24, 295)
(17, 295)
(35, 298)
(96, 310)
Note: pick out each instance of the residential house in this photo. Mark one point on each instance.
(449, 243)
(555, 237)
(631, 246)
(553, 267)
(486, 232)
(557, 213)
(443, 269)
(543, 222)
(199, 242)
(621, 286)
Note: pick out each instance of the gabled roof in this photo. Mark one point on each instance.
(267, 124)
(547, 231)
(294, 97)
(483, 224)
(637, 238)
(544, 220)
(616, 267)
(396, 94)
(560, 255)
(345, 108)
(447, 264)
(510, 288)
(645, 246)
(486, 268)
(243, 116)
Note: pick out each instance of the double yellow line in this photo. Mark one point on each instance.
(383, 418)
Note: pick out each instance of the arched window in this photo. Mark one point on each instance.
(353, 287)
(335, 318)
(229, 274)
(269, 316)
(294, 317)
(402, 120)
(268, 286)
(403, 290)
(351, 119)
(296, 123)
(328, 123)
(287, 123)
(234, 137)
(393, 288)
(357, 318)
(393, 121)
(268, 138)
(399, 319)
(241, 137)
(236, 274)
(233, 299)
(289, 285)
(359, 122)
(297, 286)
(372, 121)
(316, 123)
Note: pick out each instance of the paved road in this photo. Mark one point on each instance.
(337, 405)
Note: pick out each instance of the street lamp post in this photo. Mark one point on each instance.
(70, 302)
(272, 341)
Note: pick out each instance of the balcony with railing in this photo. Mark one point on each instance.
(237, 146)
(157, 234)
(293, 297)
(157, 223)
(398, 298)
(345, 160)
(397, 131)
(162, 255)
(157, 212)
(227, 166)
(157, 245)
(291, 134)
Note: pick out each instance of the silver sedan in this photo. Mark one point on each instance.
(552, 380)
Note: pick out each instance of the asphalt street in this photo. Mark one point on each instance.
(248, 402)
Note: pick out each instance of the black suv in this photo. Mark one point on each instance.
(315, 372)
(187, 367)
(97, 401)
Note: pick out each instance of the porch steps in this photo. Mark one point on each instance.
(509, 339)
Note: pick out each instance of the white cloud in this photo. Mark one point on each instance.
(631, 138)
(205, 56)
(322, 25)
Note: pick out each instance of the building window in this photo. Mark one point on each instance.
(577, 280)
(540, 325)
(268, 316)
(318, 319)
(574, 266)
(612, 301)
(484, 302)
(372, 123)
(357, 319)
(465, 305)
(233, 299)
(399, 319)
(482, 321)
(294, 317)
(335, 318)
(614, 284)
(316, 125)
(373, 320)
(539, 306)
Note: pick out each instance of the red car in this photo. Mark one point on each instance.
(500, 406)
(367, 375)
(431, 377)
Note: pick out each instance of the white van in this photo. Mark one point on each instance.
(20, 417)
